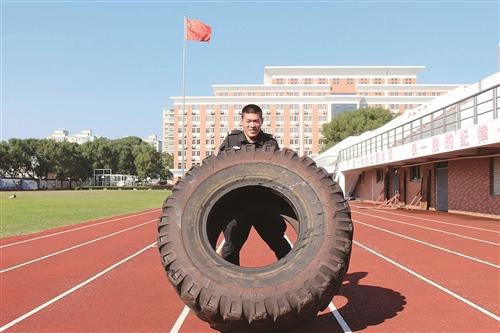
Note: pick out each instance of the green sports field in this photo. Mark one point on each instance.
(35, 211)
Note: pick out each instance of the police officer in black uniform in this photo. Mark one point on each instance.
(269, 225)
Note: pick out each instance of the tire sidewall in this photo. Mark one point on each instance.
(312, 236)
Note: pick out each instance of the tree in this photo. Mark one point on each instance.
(70, 162)
(80, 166)
(123, 151)
(43, 162)
(100, 153)
(147, 162)
(22, 155)
(61, 157)
(5, 164)
(353, 123)
(167, 163)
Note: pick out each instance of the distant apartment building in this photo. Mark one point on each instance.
(80, 138)
(168, 131)
(154, 142)
(296, 102)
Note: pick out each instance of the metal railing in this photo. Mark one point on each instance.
(478, 108)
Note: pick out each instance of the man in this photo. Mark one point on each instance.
(269, 225)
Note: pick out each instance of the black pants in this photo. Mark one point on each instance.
(270, 227)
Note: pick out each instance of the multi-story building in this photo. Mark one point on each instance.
(154, 142)
(168, 131)
(296, 102)
(80, 138)
(443, 155)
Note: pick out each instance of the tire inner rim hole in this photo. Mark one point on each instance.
(249, 212)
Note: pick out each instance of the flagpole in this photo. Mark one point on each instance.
(183, 154)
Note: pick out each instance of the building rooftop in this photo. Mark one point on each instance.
(269, 87)
(270, 71)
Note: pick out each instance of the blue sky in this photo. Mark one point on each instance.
(111, 66)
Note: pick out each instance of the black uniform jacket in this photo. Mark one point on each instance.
(237, 139)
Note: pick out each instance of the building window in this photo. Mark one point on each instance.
(380, 175)
(414, 173)
(495, 173)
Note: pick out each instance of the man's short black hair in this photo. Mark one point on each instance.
(252, 108)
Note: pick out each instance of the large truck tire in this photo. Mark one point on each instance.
(293, 289)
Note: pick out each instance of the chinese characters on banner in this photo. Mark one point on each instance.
(465, 138)
(482, 133)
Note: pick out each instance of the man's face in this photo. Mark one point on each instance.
(251, 124)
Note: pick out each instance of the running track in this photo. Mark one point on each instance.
(410, 271)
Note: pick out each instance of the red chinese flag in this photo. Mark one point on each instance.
(197, 30)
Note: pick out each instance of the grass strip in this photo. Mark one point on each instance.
(35, 211)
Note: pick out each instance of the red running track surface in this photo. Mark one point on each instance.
(410, 271)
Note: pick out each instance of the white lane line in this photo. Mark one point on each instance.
(431, 220)
(75, 288)
(437, 230)
(428, 244)
(333, 308)
(434, 284)
(73, 247)
(339, 318)
(180, 320)
(75, 229)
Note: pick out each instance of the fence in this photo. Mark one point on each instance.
(21, 184)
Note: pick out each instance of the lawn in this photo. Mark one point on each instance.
(35, 211)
